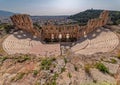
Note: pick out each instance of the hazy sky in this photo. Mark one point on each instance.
(56, 7)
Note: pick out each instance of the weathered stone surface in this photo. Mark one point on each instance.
(101, 77)
(9, 71)
(112, 67)
(70, 67)
(64, 79)
(59, 65)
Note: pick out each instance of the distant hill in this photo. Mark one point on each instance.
(6, 13)
(84, 16)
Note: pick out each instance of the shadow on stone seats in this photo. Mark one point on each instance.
(25, 35)
(94, 34)
(91, 35)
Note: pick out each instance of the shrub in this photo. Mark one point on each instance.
(53, 59)
(65, 60)
(76, 69)
(37, 83)
(113, 61)
(35, 72)
(87, 68)
(69, 75)
(23, 58)
(63, 69)
(53, 82)
(46, 63)
(21, 75)
(102, 67)
(95, 81)
(18, 77)
(55, 76)
(118, 56)
(2, 59)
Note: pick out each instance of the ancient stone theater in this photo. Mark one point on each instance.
(55, 40)
(63, 33)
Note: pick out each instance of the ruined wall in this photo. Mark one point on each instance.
(52, 32)
(94, 23)
(24, 22)
(75, 31)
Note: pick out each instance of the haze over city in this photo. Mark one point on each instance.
(56, 7)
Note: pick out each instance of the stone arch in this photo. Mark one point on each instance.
(67, 36)
(60, 36)
(52, 36)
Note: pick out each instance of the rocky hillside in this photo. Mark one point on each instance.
(84, 16)
(97, 69)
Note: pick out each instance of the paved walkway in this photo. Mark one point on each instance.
(102, 40)
(24, 43)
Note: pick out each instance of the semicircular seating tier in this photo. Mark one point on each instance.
(106, 41)
(18, 43)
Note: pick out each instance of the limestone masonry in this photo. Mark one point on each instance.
(51, 33)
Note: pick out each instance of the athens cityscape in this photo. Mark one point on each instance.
(59, 42)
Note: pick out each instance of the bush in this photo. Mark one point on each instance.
(18, 77)
(118, 56)
(21, 75)
(37, 83)
(53, 82)
(2, 59)
(55, 76)
(35, 72)
(46, 63)
(23, 58)
(69, 75)
(76, 69)
(87, 68)
(113, 61)
(63, 69)
(102, 67)
(65, 60)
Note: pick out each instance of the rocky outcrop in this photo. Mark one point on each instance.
(62, 70)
